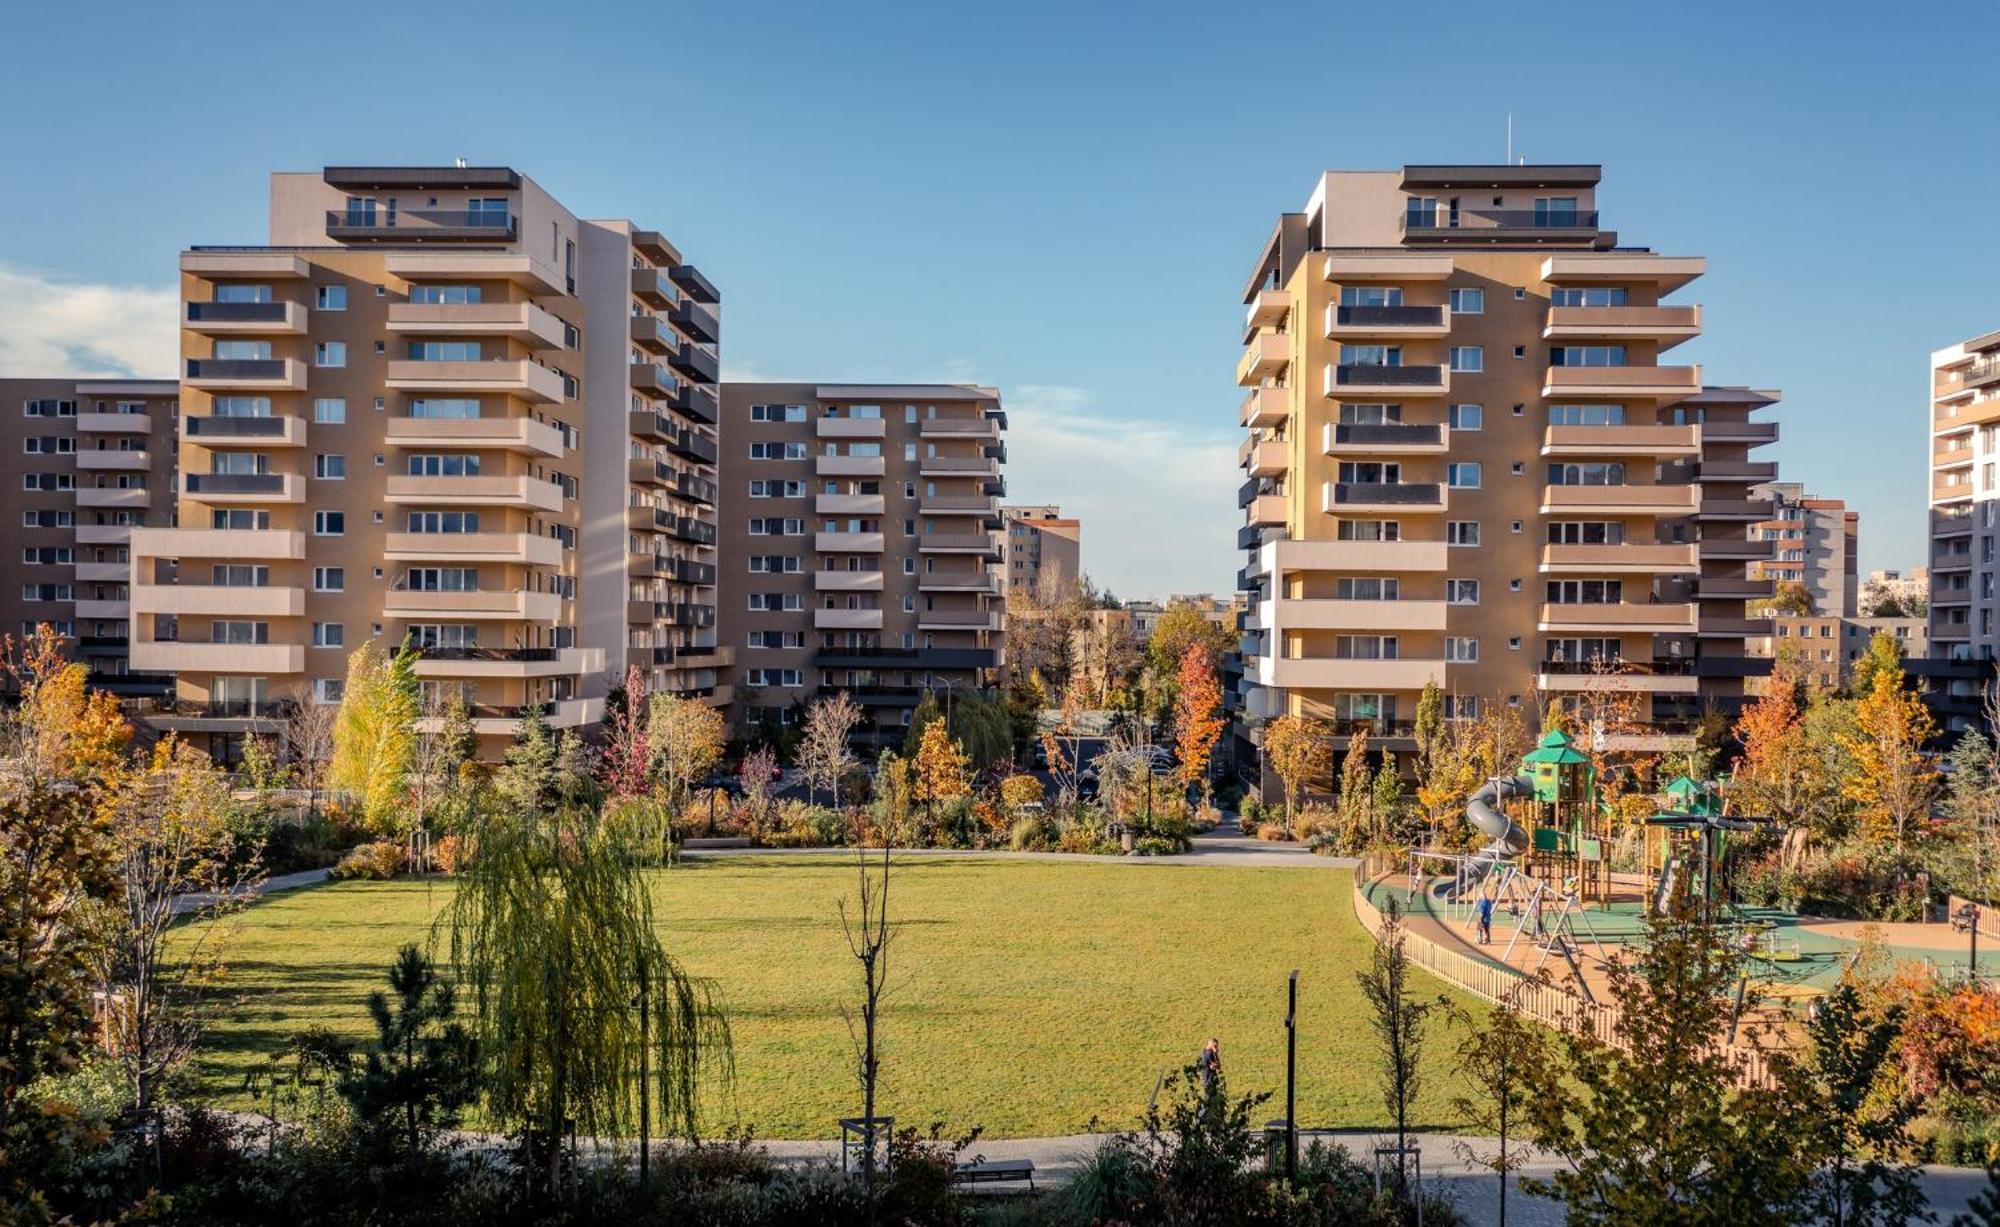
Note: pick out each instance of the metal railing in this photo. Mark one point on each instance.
(1369, 374)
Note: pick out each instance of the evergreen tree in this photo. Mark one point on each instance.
(423, 1069)
(528, 783)
(1866, 1177)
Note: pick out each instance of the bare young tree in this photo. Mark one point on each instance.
(868, 936)
(431, 761)
(823, 752)
(307, 735)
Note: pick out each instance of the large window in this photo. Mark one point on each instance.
(454, 464)
(1587, 296)
(1370, 472)
(1470, 359)
(1461, 591)
(1371, 296)
(1586, 415)
(463, 408)
(1371, 355)
(1586, 532)
(1468, 302)
(242, 293)
(1588, 473)
(1370, 414)
(1467, 417)
(1579, 650)
(1365, 647)
(1369, 530)
(443, 522)
(1587, 355)
(1585, 591)
(1367, 588)
(1462, 475)
(445, 295)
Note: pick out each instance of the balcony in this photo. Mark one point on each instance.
(652, 379)
(218, 543)
(697, 323)
(694, 362)
(1355, 381)
(1325, 673)
(654, 287)
(216, 433)
(517, 321)
(1640, 441)
(1386, 438)
(1665, 273)
(103, 534)
(1658, 382)
(1735, 628)
(1618, 500)
(1267, 310)
(1734, 509)
(253, 264)
(244, 487)
(114, 423)
(1263, 509)
(90, 609)
(523, 549)
(103, 572)
(501, 376)
(1753, 434)
(524, 435)
(1499, 226)
(674, 613)
(1396, 321)
(1263, 457)
(1947, 457)
(1619, 560)
(1264, 359)
(1318, 614)
(261, 319)
(1617, 677)
(849, 466)
(1382, 556)
(1733, 549)
(217, 600)
(696, 403)
(1667, 325)
(1656, 619)
(690, 529)
(693, 489)
(509, 662)
(1722, 588)
(847, 543)
(1364, 496)
(847, 581)
(518, 267)
(473, 606)
(1736, 471)
(104, 460)
(984, 429)
(847, 619)
(1943, 523)
(526, 493)
(644, 471)
(690, 445)
(957, 466)
(650, 333)
(963, 581)
(848, 428)
(958, 543)
(1950, 491)
(111, 497)
(246, 374)
(849, 504)
(959, 505)
(420, 226)
(958, 620)
(152, 655)
(1264, 408)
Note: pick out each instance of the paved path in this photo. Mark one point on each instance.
(287, 881)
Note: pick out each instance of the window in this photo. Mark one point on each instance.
(1468, 358)
(1587, 355)
(1588, 473)
(1371, 355)
(449, 464)
(443, 522)
(1556, 211)
(330, 298)
(330, 467)
(1593, 296)
(1468, 417)
(1586, 415)
(1462, 532)
(239, 632)
(1462, 475)
(329, 579)
(1461, 591)
(330, 411)
(242, 293)
(1370, 414)
(1370, 530)
(1468, 302)
(446, 351)
(1586, 532)
(1371, 296)
(445, 295)
(329, 523)
(1585, 591)
(777, 413)
(330, 353)
(1461, 707)
(1366, 588)
(1459, 650)
(1365, 647)
(329, 634)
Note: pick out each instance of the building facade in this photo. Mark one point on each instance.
(1815, 542)
(1039, 542)
(859, 537)
(387, 417)
(96, 461)
(1468, 460)
(1965, 498)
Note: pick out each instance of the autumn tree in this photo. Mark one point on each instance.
(1791, 598)
(1300, 752)
(1883, 657)
(758, 772)
(687, 737)
(1182, 626)
(1895, 782)
(823, 752)
(1198, 721)
(60, 729)
(1042, 625)
(373, 735)
(1356, 783)
(306, 736)
(1777, 776)
(942, 770)
(1502, 1061)
(627, 765)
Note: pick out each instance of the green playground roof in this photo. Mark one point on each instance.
(1555, 748)
(1698, 796)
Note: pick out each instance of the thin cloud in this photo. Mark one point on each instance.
(73, 329)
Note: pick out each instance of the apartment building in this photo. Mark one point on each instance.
(1039, 541)
(1896, 589)
(1815, 543)
(1964, 497)
(388, 414)
(1470, 460)
(859, 535)
(96, 460)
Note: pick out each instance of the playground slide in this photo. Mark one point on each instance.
(1510, 838)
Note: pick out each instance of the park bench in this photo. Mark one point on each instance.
(997, 1171)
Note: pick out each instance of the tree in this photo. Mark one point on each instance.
(60, 729)
(1791, 598)
(372, 735)
(1652, 1127)
(687, 737)
(823, 752)
(1198, 719)
(551, 929)
(1777, 775)
(758, 772)
(1299, 752)
(1182, 626)
(1895, 782)
(1042, 625)
(1504, 1062)
(307, 736)
(1972, 801)
(628, 752)
(895, 791)
(529, 782)
(941, 770)
(1356, 783)
(1865, 1177)
(1883, 658)
(868, 936)
(423, 1069)
(1397, 1019)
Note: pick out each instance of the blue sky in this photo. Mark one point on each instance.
(1062, 200)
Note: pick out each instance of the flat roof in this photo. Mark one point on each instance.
(504, 177)
(1502, 175)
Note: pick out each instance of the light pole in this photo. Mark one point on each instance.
(1291, 1076)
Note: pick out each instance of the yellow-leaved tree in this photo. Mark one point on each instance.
(1300, 751)
(943, 772)
(374, 736)
(1896, 781)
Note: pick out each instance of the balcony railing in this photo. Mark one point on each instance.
(694, 362)
(418, 224)
(210, 427)
(1391, 434)
(235, 483)
(1428, 495)
(236, 312)
(697, 403)
(1390, 317)
(1682, 666)
(502, 654)
(236, 368)
(1500, 219)
(1388, 376)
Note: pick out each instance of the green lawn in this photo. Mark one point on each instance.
(1027, 997)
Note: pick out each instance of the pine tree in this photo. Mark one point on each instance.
(423, 1069)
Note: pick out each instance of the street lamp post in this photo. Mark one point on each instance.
(1291, 1077)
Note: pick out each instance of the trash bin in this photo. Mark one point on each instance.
(1276, 1134)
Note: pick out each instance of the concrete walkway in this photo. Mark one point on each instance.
(288, 881)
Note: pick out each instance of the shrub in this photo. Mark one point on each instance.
(1029, 834)
(380, 860)
(1273, 833)
(452, 854)
(1250, 813)
(1019, 790)
(798, 825)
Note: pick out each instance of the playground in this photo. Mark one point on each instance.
(1558, 912)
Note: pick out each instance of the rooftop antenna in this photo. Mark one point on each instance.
(458, 162)
(1510, 138)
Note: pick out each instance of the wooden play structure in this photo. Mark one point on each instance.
(1569, 836)
(1687, 845)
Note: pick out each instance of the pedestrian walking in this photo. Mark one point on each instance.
(1210, 1065)
(1484, 912)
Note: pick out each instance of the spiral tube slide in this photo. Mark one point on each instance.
(1510, 838)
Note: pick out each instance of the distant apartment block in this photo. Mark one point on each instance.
(1965, 497)
(1825, 649)
(95, 461)
(1039, 543)
(1815, 542)
(1908, 589)
(436, 409)
(860, 533)
(1469, 460)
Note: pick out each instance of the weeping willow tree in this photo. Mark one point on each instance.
(552, 933)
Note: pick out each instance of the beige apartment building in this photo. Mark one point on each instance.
(95, 461)
(859, 536)
(1471, 460)
(1965, 497)
(388, 414)
(1815, 543)
(1039, 542)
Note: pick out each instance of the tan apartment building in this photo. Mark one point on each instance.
(1826, 648)
(1965, 497)
(388, 414)
(860, 532)
(1039, 541)
(95, 461)
(1471, 460)
(1815, 542)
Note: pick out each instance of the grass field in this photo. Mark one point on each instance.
(1027, 997)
